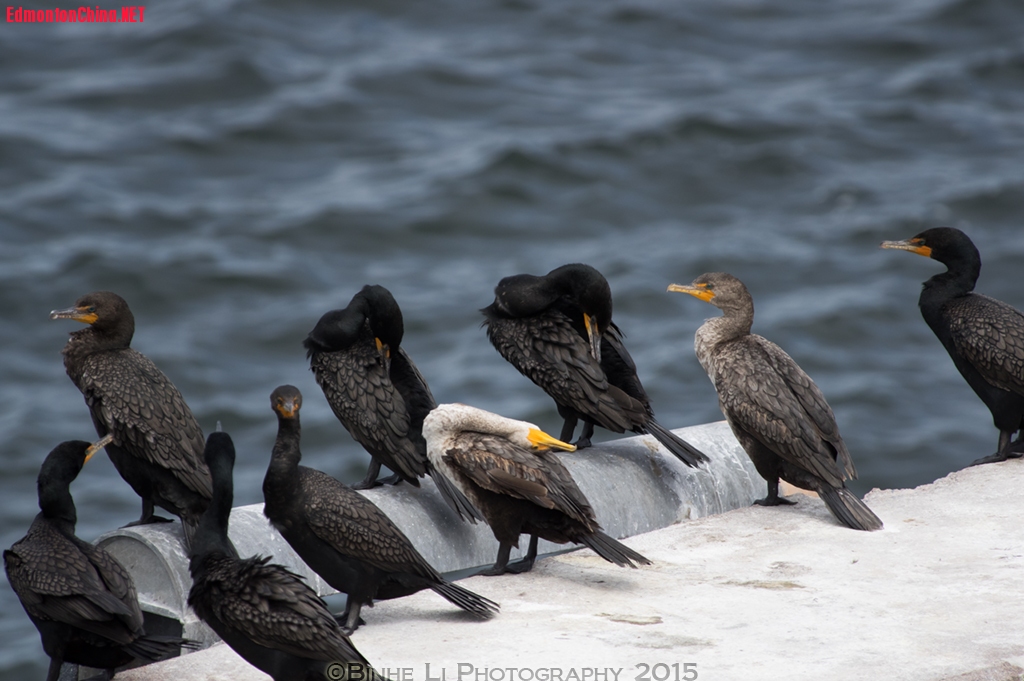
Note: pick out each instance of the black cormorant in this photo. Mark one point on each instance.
(82, 601)
(158, 446)
(376, 391)
(983, 336)
(265, 612)
(777, 413)
(557, 330)
(505, 467)
(342, 535)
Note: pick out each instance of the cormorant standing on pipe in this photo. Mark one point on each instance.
(557, 330)
(265, 612)
(340, 534)
(158, 445)
(506, 468)
(376, 391)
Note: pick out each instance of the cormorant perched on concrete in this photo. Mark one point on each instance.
(376, 391)
(983, 336)
(158, 446)
(82, 601)
(340, 534)
(505, 467)
(265, 612)
(775, 410)
(557, 330)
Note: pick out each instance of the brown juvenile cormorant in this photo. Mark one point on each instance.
(376, 391)
(557, 330)
(505, 467)
(983, 336)
(340, 534)
(82, 601)
(265, 612)
(777, 413)
(158, 446)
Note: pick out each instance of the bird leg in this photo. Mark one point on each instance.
(585, 435)
(148, 516)
(349, 620)
(1007, 450)
(504, 550)
(525, 564)
(370, 481)
(567, 429)
(53, 674)
(773, 498)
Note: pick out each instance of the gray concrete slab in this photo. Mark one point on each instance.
(751, 594)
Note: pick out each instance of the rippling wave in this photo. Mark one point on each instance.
(237, 168)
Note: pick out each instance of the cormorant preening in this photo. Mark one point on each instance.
(505, 467)
(158, 446)
(376, 391)
(983, 336)
(775, 410)
(340, 534)
(82, 601)
(557, 330)
(265, 612)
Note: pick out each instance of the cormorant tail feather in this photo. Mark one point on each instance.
(682, 449)
(467, 600)
(612, 550)
(848, 509)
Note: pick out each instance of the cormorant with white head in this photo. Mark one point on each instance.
(506, 468)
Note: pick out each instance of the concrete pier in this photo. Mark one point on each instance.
(753, 593)
(633, 483)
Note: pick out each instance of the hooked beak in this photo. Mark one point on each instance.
(594, 336)
(914, 245)
(385, 354)
(97, 446)
(288, 407)
(699, 291)
(541, 440)
(77, 313)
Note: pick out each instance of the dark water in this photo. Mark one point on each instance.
(234, 169)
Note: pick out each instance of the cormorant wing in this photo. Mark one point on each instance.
(276, 609)
(548, 350)
(356, 527)
(132, 399)
(365, 400)
(56, 581)
(990, 335)
(412, 386)
(814, 404)
(502, 467)
(620, 369)
(764, 392)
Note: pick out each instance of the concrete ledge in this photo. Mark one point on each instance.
(755, 593)
(634, 484)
